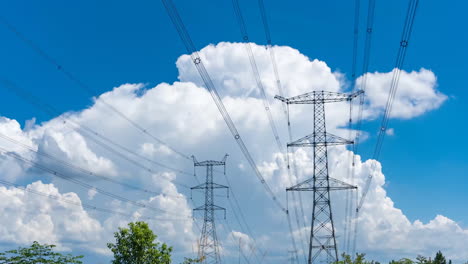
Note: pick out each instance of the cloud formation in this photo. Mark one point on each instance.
(183, 115)
(416, 94)
(25, 217)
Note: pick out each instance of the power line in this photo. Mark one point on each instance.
(248, 232)
(301, 238)
(256, 74)
(291, 233)
(82, 204)
(296, 180)
(247, 227)
(83, 85)
(272, 54)
(406, 34)
(233, 240)
(363, 87)
(187, 41)
(266, 28)
(357, 6)
(83, 170)
(348, 198)
(91, 132)
(85, 130)
(407, 30)
(365, 69)
(82, 184)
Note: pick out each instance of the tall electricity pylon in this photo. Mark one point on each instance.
(322, 244)
(208, 250)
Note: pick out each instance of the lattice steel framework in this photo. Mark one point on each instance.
(208, 250)
(322, 244)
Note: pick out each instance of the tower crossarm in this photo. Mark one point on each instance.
(211, 208)
(320, 139)
(334, 185)
(325, 97)
(197, 163)
(209, 163)
(210, 186)
(206, 186)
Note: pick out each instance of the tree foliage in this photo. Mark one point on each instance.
(192, 261)
(360, 259)
(37, 253)
(422, 260)
(439, 258)
(136, 245)
(402, 261)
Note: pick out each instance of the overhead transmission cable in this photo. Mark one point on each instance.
(407, 30)
(301, 238)
(256, 73)
(233, 240)
(89, 133)
(63, 176)
(348, 200)
(63, 162)
(295, 181)
(406, 34)
(85, 87)
(259, 83)
(82, 85)
(279, 86)
(187, 41)
(247, 230)
(291, 233)
(280, 91)
(191, 49)
(362, 87)
(266, 28)
(82, 204)
(365, 69)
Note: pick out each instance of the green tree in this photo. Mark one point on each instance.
(402, 261)
(360, 259)
(136, 245)
(422, 260)
(37, 253)
(439, 259)
(192, 261)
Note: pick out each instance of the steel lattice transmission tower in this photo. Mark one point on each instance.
(322, 244)
(208, 249)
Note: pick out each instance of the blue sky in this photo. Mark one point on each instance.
(107, 44)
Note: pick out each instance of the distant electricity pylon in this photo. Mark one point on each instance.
(322, 244)
(208, 250)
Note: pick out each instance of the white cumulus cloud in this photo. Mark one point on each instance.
(184, 115)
